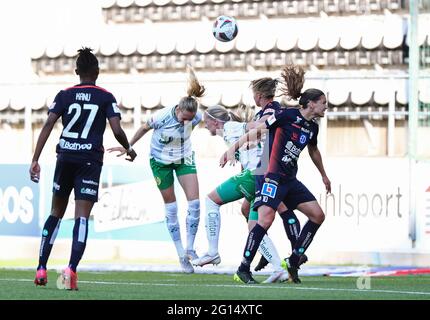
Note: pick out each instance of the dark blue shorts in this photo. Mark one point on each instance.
(271, 193)
(83, 177)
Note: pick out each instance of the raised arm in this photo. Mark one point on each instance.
(41, 141)
(315, 155)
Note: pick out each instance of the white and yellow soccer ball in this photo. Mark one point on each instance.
(225, 28)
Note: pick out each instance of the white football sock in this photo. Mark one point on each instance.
(192, 222)
(268, 250)
(213, 224)
(173, 227)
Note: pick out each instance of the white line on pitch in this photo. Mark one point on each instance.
(240, 286)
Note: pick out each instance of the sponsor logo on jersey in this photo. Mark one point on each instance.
(90, 182)
(290, 147)
(89, 191)
(295, 136)
(52, 106)
(302, 139)
(298, 119)
(74, 145)
(56, 186)
(269, 189)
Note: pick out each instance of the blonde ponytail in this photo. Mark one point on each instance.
(195, 90)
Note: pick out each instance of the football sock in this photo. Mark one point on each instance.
(252, 243)
(49, 233)
(291, 226)
(173, 227)
(213, 224)
(80, 235)
(268, 251)
(306, 236)
(192, 222)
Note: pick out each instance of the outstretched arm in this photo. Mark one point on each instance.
(315, 155)
(43, 137)
(251, 136)
(121, 137)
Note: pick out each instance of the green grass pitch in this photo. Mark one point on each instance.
(18, 285)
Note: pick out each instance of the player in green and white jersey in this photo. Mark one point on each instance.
(171, 152)
(219, 121)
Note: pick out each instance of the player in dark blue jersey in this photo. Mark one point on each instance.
(84, 109)
(291, 130)
(264, 90)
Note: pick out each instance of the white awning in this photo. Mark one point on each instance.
(172, 92)
(328, 35)
(37, 51)
(147, 43)
(266, 35)
(161, 2)
(127, 95)
(179, 2)
(108, 3)
(150, 95)
(423, 30)
(307, 36)
(286, 41)
(350, 33)
(263, 35)
(229, 89)
(54, 50)
(109, 40)
(143, 3)
(124, 3)
(212, 94)
(424, 90)
(127, 45)
(224, 47)
(338, 91)
(394, 29)
(401, 92)
(373, 34)
(4, 98)
(232, 94)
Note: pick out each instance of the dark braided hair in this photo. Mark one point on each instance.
(87, 63)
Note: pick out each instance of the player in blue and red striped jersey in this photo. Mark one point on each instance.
(290, 131)
(84, 109)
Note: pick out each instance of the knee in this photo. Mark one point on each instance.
(194, 206)
(245, 210)
(319, 218)
(266, 217)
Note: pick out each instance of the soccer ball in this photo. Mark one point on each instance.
(225, 28)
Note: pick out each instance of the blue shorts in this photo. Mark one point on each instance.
(271, 193)
(83, 177)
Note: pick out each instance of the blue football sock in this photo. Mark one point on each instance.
(80, 234)
(49, 233)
